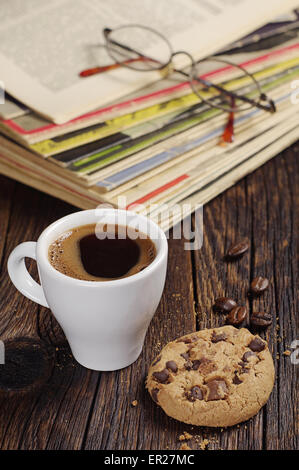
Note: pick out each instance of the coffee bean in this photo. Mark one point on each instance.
(238, 249)
(237, 316)
(161, 376)
(261, 319)
(172, 365)
(257, 344)
(259, 285)
(224, 304)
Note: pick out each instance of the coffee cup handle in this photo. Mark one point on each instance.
(19, 275)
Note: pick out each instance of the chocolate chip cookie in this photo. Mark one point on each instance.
(216, 377)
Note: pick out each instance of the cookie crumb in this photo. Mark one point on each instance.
(287, 353)
(185, 447)
(134, 403)
(185, 436)
(204, 444)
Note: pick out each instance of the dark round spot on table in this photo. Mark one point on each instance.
(28, 365)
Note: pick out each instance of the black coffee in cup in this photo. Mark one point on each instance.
(110, 252)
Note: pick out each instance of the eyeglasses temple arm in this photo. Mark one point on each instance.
(124, 47)
(269, 107)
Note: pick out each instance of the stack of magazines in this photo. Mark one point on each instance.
(82, 121)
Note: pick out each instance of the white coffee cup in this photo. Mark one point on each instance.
(105, 322)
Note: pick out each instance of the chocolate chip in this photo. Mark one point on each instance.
(247, 355)
(195, 364)
(188, 365)
(193, 339)
(216, 338)
(244, 369)
(158, 359)
(195, 393)
(238, 249)
(224, 304)
(161, 376)
(206, 366)
(236, 380)
(154, 394)
(185, 356)
(237, 316)
(261, 319)
(172, 366)
(217, 390)
(259, 285)
(257, 344)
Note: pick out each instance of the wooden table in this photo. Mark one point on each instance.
(83, 409)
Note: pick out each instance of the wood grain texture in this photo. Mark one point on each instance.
(82, 409)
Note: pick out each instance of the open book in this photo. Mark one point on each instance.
(44, 46)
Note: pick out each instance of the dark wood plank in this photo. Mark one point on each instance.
(282, 197)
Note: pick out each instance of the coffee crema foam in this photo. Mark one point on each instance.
(78, 253)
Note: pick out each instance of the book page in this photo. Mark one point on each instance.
(44, 45)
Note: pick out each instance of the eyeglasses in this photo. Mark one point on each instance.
(127, 46)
